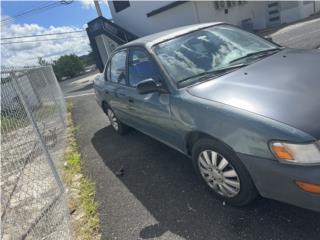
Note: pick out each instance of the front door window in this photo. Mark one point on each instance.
(141, 67)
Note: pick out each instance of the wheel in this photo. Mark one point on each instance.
(117, 126)
(223, 172)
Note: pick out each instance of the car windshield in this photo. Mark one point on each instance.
(210, 50)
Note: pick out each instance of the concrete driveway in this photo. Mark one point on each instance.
(159, 196)
(79, 86)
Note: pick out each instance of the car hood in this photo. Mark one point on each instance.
(284, 86)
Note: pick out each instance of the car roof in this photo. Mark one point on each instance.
(153, 39)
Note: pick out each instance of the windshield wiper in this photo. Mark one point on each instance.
(230, 67)
(217, 72)
(259, 53)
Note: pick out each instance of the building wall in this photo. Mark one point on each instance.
(295, 10)
(290, 11)
(255, 13)
(175, 17)
(317, 6)
(308, 8)
(135, 20)
(253, 10)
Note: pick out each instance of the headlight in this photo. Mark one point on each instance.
(297, 153)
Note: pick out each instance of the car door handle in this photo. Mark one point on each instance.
(130, 100)
(122, 94)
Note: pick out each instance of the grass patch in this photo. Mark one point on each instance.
(81, 190)
(13, 121)
(87, 194)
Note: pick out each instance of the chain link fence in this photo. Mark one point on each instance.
(33, 138)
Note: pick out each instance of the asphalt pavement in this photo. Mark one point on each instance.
(146, 190)
(158, 196)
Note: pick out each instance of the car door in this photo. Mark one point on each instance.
(150, 113)
(116, 79)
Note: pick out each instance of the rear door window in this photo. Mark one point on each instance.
(118, 67)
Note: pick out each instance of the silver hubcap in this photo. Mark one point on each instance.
(218, 173)
(113, 120)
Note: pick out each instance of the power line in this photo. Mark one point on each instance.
(8, 18)
(35, 10)
(45, 7)
(29, 11)
(38, 4)
(41, 40)
(47, 34)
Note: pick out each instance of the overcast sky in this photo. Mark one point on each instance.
(45, 17)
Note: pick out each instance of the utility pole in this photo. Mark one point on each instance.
(96, 3)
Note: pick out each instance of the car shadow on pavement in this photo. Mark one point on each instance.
(164, 181)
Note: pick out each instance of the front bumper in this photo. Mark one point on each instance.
(276, 180)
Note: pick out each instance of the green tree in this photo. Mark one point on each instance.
(68, 66)
(89, 59)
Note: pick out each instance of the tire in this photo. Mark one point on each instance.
(119, 127)
(230, 183)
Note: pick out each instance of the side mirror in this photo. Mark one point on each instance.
(268, 38)
(148, 86)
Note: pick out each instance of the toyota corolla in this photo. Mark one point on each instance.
(244, 109)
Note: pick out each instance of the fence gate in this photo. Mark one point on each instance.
(33, 137)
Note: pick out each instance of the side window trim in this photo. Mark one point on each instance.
(127, 67)
(107, 72)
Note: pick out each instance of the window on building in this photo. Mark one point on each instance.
(227, 4)
(141, 67)
(120, 5)
(118, 67)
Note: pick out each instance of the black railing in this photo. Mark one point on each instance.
(102, 25)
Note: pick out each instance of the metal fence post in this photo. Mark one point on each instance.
(37, 131)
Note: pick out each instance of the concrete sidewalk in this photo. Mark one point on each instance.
(303, 34)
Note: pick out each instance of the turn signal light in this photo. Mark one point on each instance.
(282, 152)
(297, 153)
(308, 187)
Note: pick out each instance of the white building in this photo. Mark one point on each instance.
(132, 19)
(146, 17)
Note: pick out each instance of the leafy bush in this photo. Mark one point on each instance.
(68, 66)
